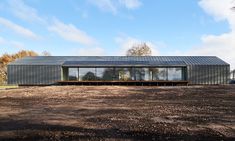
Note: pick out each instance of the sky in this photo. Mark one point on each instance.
(111, 27)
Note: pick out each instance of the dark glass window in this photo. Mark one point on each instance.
(159, 73)
(87, 74)
(142, 74)
(73, 73)
(105, 74)
(175, 74)
(124, 74)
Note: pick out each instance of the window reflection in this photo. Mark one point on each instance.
(125, 74)
(142, 74)
(174, 74)
(105, 74)
(73, 74)
(87, 74)
(159, 73)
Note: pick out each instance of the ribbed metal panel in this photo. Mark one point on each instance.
(123, 63)
(33, 74)
(59, 60)
(47, 69)
(208, 74)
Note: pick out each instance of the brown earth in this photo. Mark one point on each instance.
(118, 113)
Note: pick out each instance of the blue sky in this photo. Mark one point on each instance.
(110, 27)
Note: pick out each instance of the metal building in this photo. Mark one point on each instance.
(44, 70)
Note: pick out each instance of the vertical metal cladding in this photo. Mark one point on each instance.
(208, 74)
(42, 70)
(33, 74)
(228, 74)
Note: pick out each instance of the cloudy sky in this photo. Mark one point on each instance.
(110, 27)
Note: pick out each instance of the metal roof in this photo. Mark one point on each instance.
(123, 63)
(120, 60)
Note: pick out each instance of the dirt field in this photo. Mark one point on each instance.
(118, 113)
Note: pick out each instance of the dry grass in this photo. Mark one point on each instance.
(8, 86)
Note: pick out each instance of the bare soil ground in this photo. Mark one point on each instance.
(118, 113)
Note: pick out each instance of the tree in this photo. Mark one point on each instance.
(139, 50)
(46, 53)
(3, 73)
(89, 76)
(108, 74)
(233, 74)
(233, 9)
(7, 58)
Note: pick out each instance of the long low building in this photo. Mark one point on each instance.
(46, 70)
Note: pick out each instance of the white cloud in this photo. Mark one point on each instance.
(18, 29)
(222, 45)
(220, 10)
(17, 44)
(11, 43)
(126, 42)
(97, 51)
(114, 5)
(105, 5)
(71, 33)
(24, 12)
(131, 4)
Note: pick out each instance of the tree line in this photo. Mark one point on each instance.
(6, 58)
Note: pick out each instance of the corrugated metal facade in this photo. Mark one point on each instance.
(208, 74)
(48, 69)
(33, 74)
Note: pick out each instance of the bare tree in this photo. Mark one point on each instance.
(233, 8)
(139, 50)
(233, 74)
(46, 53)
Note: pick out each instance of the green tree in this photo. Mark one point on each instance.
(89, 76)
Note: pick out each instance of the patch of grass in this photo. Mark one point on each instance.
(8, 86)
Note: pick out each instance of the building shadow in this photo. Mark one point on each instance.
(23, 130)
